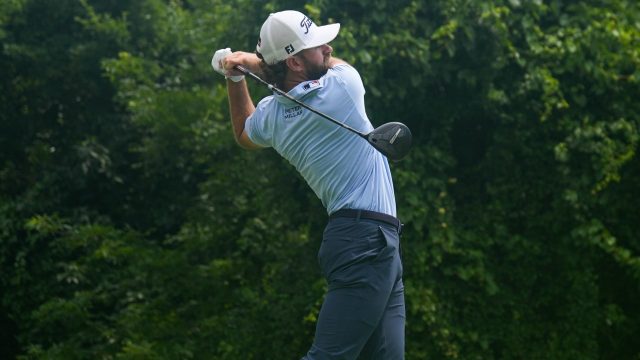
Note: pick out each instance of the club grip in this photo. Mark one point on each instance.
(243, 69)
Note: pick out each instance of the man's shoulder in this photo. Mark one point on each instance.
(341, 69)
(266, 101)
(266, 104)
(345, 76)
(345, 72)
(264, 107)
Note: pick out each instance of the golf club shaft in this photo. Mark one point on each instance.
(271, 87)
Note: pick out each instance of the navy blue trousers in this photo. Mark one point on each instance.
(363, 313)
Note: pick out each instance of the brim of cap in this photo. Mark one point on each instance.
(324, 34)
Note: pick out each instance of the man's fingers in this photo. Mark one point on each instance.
(229, 64)
(223, 64)
(218, 57)
(230, 61)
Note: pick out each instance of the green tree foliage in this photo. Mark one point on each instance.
(132, 226)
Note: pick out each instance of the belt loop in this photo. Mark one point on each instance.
(358, 216)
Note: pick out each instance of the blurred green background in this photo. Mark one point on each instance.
(133, 227)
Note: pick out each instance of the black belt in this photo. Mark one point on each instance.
(366, 214)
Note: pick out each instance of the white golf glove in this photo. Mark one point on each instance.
(216, 63)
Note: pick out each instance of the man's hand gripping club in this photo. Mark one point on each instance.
(217, 62)
(240, 104)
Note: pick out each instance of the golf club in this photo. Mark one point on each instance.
(392, 139)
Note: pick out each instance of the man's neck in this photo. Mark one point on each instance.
(292, 79)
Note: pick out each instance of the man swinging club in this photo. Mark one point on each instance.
(363, 313)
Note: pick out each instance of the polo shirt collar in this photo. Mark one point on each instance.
(302, 90)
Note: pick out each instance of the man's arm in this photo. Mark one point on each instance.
(240, 107)
(240, 103)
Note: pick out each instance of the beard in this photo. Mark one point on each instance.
(316, 71)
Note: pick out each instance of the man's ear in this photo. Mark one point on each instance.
(294, 64)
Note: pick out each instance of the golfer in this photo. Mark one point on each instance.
(363, 313)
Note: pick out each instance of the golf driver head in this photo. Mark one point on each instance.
(391, 139)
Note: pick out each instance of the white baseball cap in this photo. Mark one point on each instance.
(286, 33)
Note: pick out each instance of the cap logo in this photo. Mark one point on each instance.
(306, 23)
(289, 49)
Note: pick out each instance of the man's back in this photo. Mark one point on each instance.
(342, 168)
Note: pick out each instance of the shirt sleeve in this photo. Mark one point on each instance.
(258, 127)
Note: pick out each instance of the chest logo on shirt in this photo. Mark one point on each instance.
(311, 85)
(292, 112)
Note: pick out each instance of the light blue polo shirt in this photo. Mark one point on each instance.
(342, 168)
